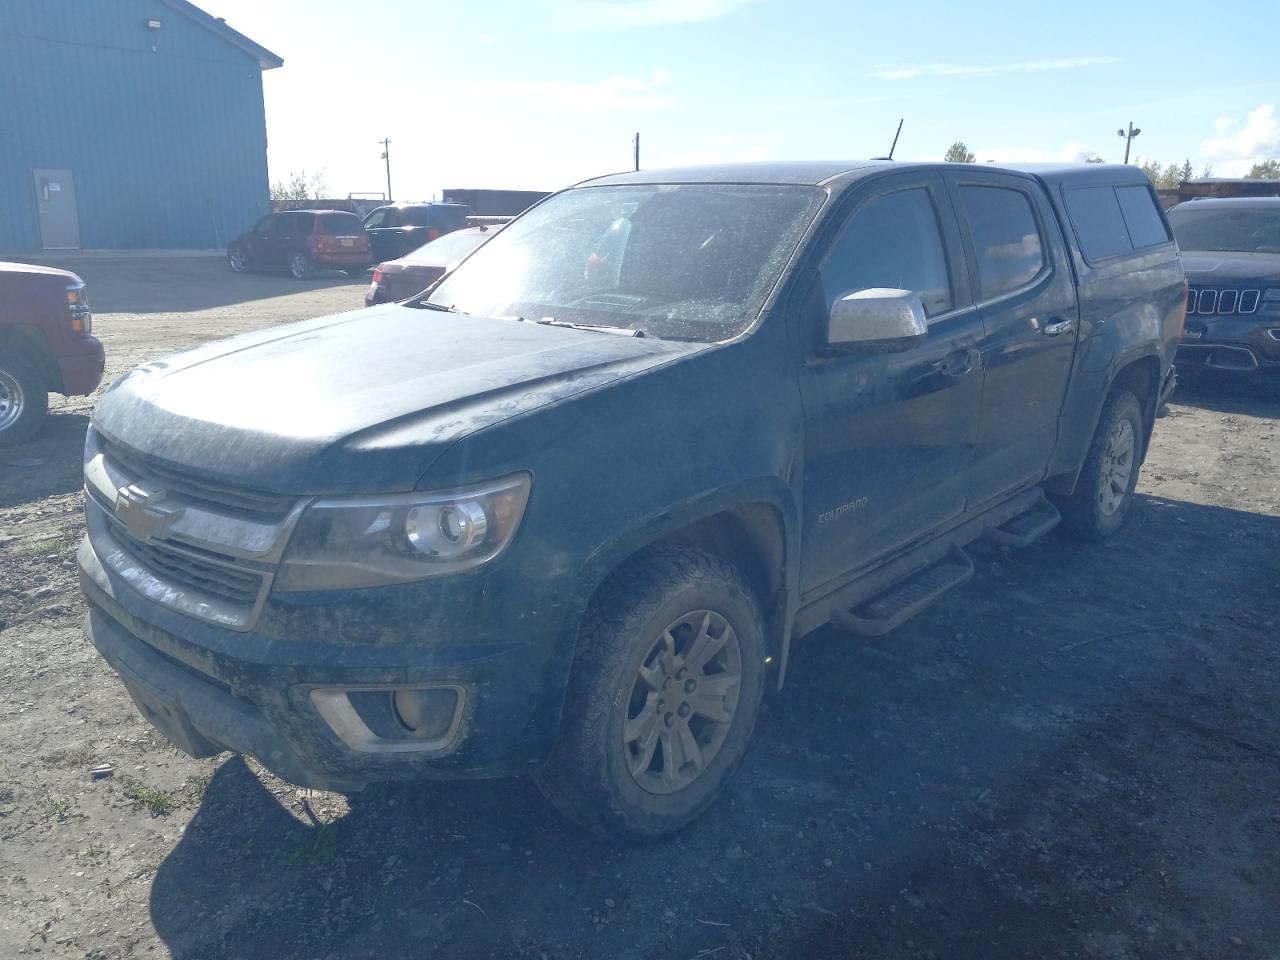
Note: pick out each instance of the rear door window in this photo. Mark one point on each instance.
(1006, 238)
(893, 241)
(1098, 221)
(1142, 216)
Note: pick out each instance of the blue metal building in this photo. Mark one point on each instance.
(129, 124)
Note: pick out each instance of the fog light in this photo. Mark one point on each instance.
(427, 714)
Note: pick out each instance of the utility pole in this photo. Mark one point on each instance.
(386, 155)
(1128, 138)
(636, 141)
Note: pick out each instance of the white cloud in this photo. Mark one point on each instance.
(563, 96)
(909, 71)
(626, 14)
(1233, 153)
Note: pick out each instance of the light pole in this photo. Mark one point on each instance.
(386, 155)
(1128, 138)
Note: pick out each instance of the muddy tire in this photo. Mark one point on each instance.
(664, 696)
(236, 260)
(24, 399)
(1104, 490)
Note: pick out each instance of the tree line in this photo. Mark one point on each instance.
(1164, 177)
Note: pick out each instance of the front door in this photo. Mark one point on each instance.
(56, 209)
(889, 435)
(1027, 299)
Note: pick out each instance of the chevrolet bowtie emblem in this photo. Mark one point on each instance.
(143, 513)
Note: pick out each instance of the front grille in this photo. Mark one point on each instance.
(257, 505)
(189, 569)
(1210, 301)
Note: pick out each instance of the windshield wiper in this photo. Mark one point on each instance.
(428, 305)
(601, 327)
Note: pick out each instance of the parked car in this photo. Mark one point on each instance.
(396, 229)
(302, 242)
(46, 345)
(1231, 252)
(564, 520)
(415, 271)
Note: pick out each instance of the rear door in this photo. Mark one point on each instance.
(381, 228)
(1026, 296)
(294, 231)
(888, 435)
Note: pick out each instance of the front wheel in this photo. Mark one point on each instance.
(236, 260)
(664, 697)
(23, 399)
(300, 265)
(1104, 490)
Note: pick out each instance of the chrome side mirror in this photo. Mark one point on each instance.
(877, 320)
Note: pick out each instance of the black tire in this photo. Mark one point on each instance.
(1087, 514)
(300, 265)
(237, 260)
(587, 776)
(356, 274)
(24, 398)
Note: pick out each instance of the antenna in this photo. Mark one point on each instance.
(895, 138)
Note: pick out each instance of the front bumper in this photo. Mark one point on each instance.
(1248, 346)
(211, 689)
(81, 372)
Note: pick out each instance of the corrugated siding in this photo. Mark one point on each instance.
(163, 130)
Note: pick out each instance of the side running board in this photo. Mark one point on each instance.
(1025, 528)
(904, 599)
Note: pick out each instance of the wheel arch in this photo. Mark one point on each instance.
(32, 343)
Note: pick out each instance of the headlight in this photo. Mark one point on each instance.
(373, 541)
(1272, 295)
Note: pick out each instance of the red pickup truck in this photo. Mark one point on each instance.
(46, 345)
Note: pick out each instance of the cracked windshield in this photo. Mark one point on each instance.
(638, 480)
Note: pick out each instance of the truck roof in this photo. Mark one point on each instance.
(844, 173)
(1235, 203)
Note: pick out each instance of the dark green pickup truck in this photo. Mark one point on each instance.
(567, 512)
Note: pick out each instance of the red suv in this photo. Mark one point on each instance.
(46, 345)
(303, 241)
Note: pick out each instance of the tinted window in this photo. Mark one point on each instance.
(1141, 216)
(1005, 236)
(1226, 227)
(376, 219)
(347, 224)
(264, 225)
(1099, 223)
(894, 241)
(296, 224)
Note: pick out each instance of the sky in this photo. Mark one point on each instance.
(540, 94)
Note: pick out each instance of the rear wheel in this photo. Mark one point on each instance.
(356, 274)
(300, 265)
(1104, 490)
(664, 697)
(23, 398)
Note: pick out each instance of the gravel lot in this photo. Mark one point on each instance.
(1076, 755)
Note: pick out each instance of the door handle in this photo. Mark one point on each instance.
(1058, 327)
(956, 364)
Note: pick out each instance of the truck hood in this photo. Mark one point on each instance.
(1212, 267)
(355, 403)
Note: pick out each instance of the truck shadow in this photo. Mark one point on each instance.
(1001, 776)
(49, 464)
(1225, 395)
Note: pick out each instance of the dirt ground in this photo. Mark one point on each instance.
(1075, 755)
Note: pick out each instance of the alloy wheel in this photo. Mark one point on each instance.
(1118, 462)
(682, 703)
(11, 400)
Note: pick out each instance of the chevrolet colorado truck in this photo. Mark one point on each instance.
(564, 513)
(46, 345)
